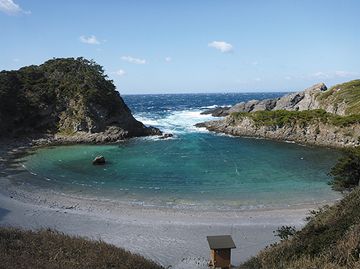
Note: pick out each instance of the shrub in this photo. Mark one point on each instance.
(285, 232)
(346, 172)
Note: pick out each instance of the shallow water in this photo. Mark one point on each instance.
(195, 169)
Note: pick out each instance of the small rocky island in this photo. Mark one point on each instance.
(65, 100)
(317, 115)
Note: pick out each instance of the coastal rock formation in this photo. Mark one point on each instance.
(71, 99)
(298, 101)
(319, 116)
(217, 111)
(314, 132)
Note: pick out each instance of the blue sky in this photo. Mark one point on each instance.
(190, 46)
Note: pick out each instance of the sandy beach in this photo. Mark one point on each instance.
(175, 238)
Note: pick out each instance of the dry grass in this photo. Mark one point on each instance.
(50, 249)
(348, 93)
(330, 240)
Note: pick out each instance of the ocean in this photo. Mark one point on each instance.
(195, 169)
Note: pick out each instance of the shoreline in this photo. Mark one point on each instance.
(159, 234)
(171, 237)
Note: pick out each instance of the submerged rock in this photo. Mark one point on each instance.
(99, 160)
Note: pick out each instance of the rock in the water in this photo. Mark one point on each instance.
(99, 160)
(167, 135)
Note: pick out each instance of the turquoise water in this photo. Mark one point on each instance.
(192, 171)
(195, 169)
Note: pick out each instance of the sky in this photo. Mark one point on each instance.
(155, 46)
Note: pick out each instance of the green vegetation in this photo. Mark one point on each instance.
(285, 232)
(347, 93)
(282, 118)
(331, 239)
(60, 95)
(49, 249)
(346, 172)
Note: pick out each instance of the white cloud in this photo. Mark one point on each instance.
(222, 46)
(334, 74)
(288, 78)
(133, 60)
(345, 74)
(168, 59)
(11, 8)
(255, 63)
(257, 79)
(92, 40)
(320, 75)
(120, 72)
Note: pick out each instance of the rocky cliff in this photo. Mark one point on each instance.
(68, 99)
(341, 99)
(315, 116)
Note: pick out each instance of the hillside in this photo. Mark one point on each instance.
(331, 239)
(342, 99)
(68, 97)
(51, 249)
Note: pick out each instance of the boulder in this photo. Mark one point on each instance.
(99, 160)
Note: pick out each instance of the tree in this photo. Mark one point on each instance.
(346, 172)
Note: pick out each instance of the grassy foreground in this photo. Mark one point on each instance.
(330, 240)
(50, 249)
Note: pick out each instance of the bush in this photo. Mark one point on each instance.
(346, 172)
(285, 232)
(331, 240)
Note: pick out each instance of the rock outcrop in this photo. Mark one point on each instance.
(71, 99)
(314, 133)
(317, 115)
(304, 100)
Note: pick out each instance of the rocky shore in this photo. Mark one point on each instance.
(316, 116)
(320, 134)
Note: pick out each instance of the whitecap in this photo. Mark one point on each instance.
(176, 122)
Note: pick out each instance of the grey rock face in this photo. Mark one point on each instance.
(304, 100)
(316, 133)
(217, 111)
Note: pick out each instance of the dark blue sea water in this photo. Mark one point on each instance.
(195, 169)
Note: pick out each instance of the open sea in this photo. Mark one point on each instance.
(195, 169)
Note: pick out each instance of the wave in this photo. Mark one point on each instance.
(176, 122)
(214, 106)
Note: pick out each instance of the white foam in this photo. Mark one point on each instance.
(177, 122)
(214, 106)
